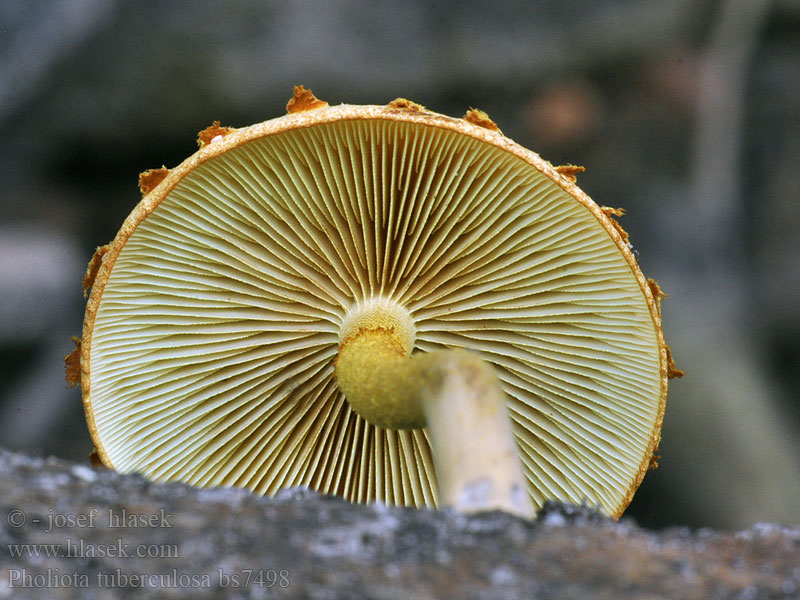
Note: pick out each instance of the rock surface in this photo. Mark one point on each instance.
(70, 531)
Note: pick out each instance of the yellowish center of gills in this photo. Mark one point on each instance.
(377, 379)
(380, 313)
(374, 369)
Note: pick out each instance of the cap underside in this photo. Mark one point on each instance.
(216, 327)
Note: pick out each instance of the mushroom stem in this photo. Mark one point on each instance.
(457, 396)
(476, 455)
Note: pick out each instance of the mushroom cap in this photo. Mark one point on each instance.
(214, 320)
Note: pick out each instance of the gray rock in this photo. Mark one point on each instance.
(70, 531)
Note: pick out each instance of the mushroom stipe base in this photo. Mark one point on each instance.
(379, 302)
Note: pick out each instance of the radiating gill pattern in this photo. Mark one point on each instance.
(213, 347)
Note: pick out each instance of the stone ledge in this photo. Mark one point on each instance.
(228, 543)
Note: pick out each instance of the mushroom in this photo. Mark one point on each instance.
(366, 300)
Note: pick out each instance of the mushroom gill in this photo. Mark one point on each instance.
(216, 317)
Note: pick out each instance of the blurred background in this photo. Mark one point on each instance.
(685, 112)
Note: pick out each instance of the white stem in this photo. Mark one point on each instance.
(477, 459)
